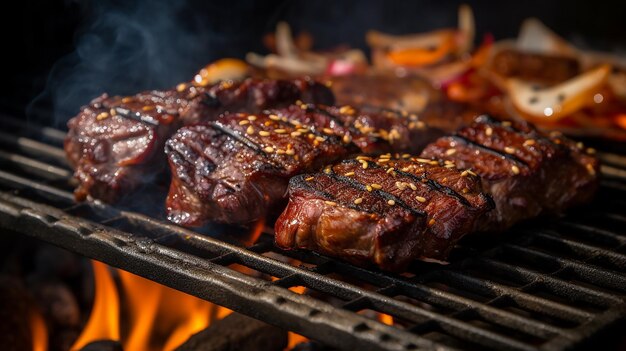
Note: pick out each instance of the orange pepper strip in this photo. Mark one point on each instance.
(420, 56)
(481, 54)
(620, 120)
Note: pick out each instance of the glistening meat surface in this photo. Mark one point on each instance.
(236, 170)
(116, 143)
(527, 172)
(383, 211)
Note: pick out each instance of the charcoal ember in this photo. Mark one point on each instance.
(312, 346)
(237, 332)
(103, 345)
(16, 307)
(58, 303)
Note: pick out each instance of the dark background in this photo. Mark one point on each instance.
(59, 54)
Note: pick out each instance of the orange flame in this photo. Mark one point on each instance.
(104, 320)
(155, 317)
(255, 233)
(188, 315)
(39, 332)
(142, 300)
(299, 289)
(385, 318)
(295, 339)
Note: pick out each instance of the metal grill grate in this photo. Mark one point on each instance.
(548, 285)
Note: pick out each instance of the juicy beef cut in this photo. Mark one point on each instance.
(236, 169)
(373, 130)
(383, 211)
(536, 67)
(526, 172)
(115, 143)
(387, 211)
(243, 181)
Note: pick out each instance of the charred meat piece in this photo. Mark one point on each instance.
(385, 89)
(373, 130)
(115, 143)
(534, 66)
(526, 172)
(383, 211)
(256, 95)
(407, 94)
(236, 170)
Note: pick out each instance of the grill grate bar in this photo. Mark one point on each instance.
(21, 182)
(204, 279)
(587, 272)
(562, 287)
(40, 168)
(49, 134)
(34, 147)
(484, 298)
(458, 328)
(523, 299)
(594, 231)
(552, 239)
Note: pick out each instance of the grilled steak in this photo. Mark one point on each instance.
(116, 142)
(526, 172)
(373, 130)
(409, 94)
(534, 66)
(236, 170)
(239, 156)
(382, 211)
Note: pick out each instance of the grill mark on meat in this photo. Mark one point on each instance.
(431, 183)
(300, 182)
(210, 100)
(375, 192)
(470, 143)
(435, 185)
(249, 143)
(529, 133)
(136, 116)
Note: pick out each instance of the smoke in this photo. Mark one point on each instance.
(124, 47)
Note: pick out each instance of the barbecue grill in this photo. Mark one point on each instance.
(546, 285)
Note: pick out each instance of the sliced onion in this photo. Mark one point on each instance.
(467, 29)
(534, 36)
(551, 104)
(293, 65)
(285, 45)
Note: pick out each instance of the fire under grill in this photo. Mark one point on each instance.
(545, 285)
